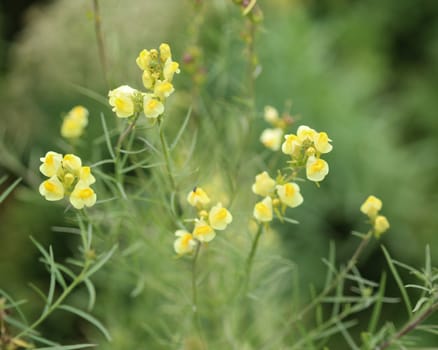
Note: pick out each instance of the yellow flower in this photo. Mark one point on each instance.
(263, 210)
(148, 79)
(152, 107)
(271, 138)
(184, 243)
(381, 225)
(290, 194)
(85, 175)
(74, 122)
(163, 89)
(52, 189)
(271, 115)
(197, 197)
(51, 163)
(321, 141)
(72, 163)
(304, 133)
(122, 101)
(263, 185)
(291, 145)
(219, 217)
(82, 195)
(165, 52)
(143, 60)
(371, 206)
(169, 69)
(316, 169)
(203, 232)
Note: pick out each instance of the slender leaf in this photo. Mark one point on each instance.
(67, 347)
(181, 130)
(10, 188)
(375, 316)
(107, 137)
(88, 318)
(101, 262)
(91, 293)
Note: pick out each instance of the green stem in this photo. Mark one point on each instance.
(250, 258)
(196, 320)
(100, 41)
(167, 159)
(79, 278)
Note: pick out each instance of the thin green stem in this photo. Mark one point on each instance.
(79, 278)
(166, 153)
(196, 320)
(250, 258)
(100, 41)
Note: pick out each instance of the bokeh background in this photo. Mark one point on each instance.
(364, 71)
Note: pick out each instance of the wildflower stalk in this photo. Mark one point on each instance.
(167, 159)
(78, 279)
(250, 259)
(196, 320)
(410, 326)
(100, 42)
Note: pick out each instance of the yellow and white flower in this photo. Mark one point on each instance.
(86, 176)
(381, 225)
(198, 197)
(169, 69)
(82, 195)
(52, 189)
(316, 169)
(304, 133)
(271, 115)
(72, 163)
(219, 217)
(371, 206)
(263, 210)
(74, 122)
(322, 142)
(143, 60)
(152, 107)
(203, 232)
(291, 145)
(289, 194)
(263, 185)
(165, 52)
(122, 101)
(163, 89)
(148, 79)
(184, 243)
(271, 138)
(51, 164)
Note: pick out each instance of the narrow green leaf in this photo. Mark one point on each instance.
(290, 221)
(88, 318)
(397, 278)
(91, 94)
(52, 285)
(12, 301)
(91, 293)
(101, 262)
(9, 189)
(375, 316)
(182, 128)
(38, 291)
(3, 179)
(67, 347)
(107, 137)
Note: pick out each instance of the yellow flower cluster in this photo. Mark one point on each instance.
(272, 137)
(305, 149)
(74, 123)
(158, 71)
(67, 176)
(371, 208)
(217, 218)
(276, 193)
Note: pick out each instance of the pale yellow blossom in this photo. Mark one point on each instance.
(148, 79)
(219, 217)
(72, 163)
(322, 142)
(169, 69)
(371, 206)
(184, 243)
(122, 101)
(143, 60)
(316, 169)
(74, 122)
(82, 195)
(289, 194)
(263, 210)
(165, 52)
(198, 197)
(271, 115)
(52, 189)
(271, 138)
(51, 164)
(86, 176)
(203, 232)
(291, 145)
(304, 133)
(263, 185)
(163, 89)
(381, 225)
(152, 107)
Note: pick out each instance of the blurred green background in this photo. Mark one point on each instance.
(364, 71)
